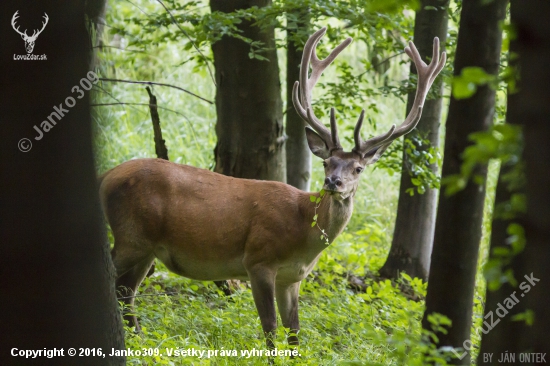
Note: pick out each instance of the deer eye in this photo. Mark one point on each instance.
(358, 170)
(325, 164)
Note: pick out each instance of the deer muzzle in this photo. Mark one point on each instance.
(333, 183)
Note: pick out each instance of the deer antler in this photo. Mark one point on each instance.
(36, 33)
(13, 19)
(302, 102)
(426, 76)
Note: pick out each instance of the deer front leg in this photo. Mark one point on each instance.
(287, 302)
(263, 291)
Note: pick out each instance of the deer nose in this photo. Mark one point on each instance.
(333, 182)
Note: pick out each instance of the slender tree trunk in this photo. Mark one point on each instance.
(415, 223)
(459, 217)
(496, 339)
(298, 155)
(56, 272)
(248, 101)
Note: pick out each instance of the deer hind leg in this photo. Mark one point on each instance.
(131, 267)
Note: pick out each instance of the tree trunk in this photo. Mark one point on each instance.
(415, 223)
(95, 13)
(298, 155)
(248, 102)
(530, 19)
(459, 217)
(56, 275)
(498, 341)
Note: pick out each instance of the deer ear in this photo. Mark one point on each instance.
(316, 144)
(375, 154)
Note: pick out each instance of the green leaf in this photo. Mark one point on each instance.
(313, 224)
(465, 85)
(315, 217)
(390, 6)
(312, 198)
(476, 75)
(528, 316)
(463, 89)
(501, 251)
(318, 200)
(260, 57)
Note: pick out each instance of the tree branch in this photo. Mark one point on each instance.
(119, 48)
(190, 40)
(155, 83)
(160, 143)
(149, 105)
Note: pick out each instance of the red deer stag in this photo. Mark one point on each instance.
(207, 226)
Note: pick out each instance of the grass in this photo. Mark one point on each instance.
(380, 326)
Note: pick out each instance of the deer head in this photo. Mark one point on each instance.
(29, 40)
(342, 169)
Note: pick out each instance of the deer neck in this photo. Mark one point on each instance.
(333, 216)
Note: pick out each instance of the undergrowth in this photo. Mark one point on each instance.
(377, 326)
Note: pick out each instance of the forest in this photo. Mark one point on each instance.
(288, 182)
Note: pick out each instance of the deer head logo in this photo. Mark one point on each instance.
(29, 40)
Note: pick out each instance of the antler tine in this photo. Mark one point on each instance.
(43, 26)
(372, 143)
(357, 133)
(13, 19)
(426, 76)
(334, 130)
(302, 102)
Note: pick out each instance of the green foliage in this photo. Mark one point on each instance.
(376, 325)
(465, 85)
(501, 256)
(422, 162)
(502, 142)
(391, 6)
(317, 201)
